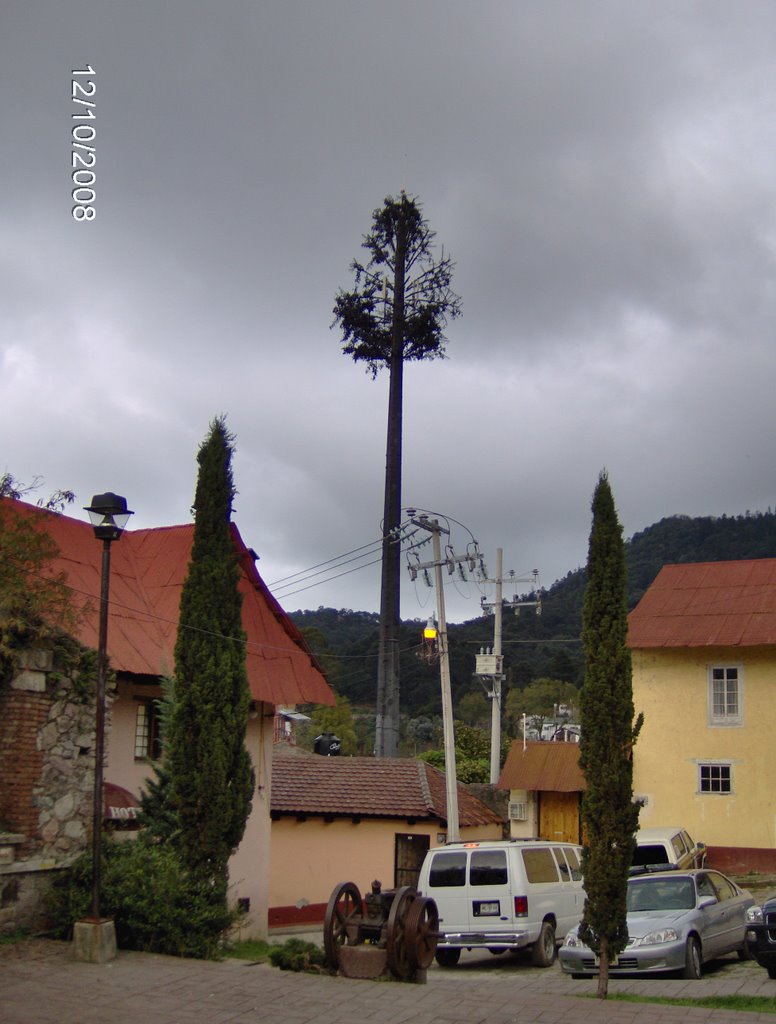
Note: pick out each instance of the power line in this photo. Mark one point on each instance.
(290, 593)
(337, 558)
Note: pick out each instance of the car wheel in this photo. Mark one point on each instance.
(447, 957)
(543, 952)
(693, 965)
(771, 969)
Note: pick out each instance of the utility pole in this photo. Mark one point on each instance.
(490, 664)
(450, 561)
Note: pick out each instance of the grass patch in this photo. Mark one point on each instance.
(255, 950)
(754, 1004)
(11, 938)
(292, 955)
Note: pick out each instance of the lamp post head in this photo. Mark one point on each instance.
(109, 515)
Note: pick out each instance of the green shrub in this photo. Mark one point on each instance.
(156, 904)
(297, 955)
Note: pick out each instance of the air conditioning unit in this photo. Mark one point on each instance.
(518, 810)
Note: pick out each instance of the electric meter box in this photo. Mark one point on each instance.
(489, 664)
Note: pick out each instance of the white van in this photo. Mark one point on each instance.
(504, 894)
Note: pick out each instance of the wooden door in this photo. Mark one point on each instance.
(559, 817)
(409, 851)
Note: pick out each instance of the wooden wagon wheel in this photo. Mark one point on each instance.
(395, 946)
(340, 926)
(421, 931)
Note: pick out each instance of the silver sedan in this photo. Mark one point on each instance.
(677, 920)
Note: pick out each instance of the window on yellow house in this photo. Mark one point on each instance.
(725, 697)
(715, 778)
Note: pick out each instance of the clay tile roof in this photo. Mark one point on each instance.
(389, 787)
(148, 568)
(543, 767)
(708, 604)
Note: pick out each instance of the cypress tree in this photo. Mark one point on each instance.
(609, 815)
(210, 774)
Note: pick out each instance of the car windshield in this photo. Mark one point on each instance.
(660, 894)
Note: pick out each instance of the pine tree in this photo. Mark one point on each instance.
(397, 311)
(609, 815)
(210, 773)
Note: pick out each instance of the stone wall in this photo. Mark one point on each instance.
(46, 782)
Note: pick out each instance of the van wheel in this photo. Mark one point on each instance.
(447, 957)
(543, 952)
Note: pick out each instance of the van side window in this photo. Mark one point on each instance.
(678, 844)
(488, 867)
(573, 858)
(540, 865)
(565, 871)
(447, 869)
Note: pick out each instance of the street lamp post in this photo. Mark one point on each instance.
(109, 515)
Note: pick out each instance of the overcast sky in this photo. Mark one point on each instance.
(603, 174)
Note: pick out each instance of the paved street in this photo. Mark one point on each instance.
(40, 983)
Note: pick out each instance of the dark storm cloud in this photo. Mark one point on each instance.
(601, 173)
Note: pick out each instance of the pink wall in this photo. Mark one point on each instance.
(248, 877)
(308, 859)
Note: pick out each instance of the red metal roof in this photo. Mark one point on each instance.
(708, 604)
(549, 767)
(148, 568)
(387, 787)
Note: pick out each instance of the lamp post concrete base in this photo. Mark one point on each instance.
(94, 941)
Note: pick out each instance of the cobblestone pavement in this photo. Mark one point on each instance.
(40, 983)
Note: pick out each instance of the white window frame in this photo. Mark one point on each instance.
(712, 765)
(146, 729)
(720, 713)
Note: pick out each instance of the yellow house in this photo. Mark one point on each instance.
(703, 641)
(356, 819)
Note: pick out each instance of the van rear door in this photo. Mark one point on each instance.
(490, 894)
(443, 878)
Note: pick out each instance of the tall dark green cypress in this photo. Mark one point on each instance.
(609, 814)
(211, 777)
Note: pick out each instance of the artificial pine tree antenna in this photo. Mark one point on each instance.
(397, 311)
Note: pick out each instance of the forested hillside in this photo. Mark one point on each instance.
(545, 646)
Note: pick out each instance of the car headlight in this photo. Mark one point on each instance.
(754, 915)
(656, 937)
(572, 939)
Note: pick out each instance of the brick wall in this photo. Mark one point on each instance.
(46, 784)
(22, 715)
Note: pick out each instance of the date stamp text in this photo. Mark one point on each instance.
(83, 156)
